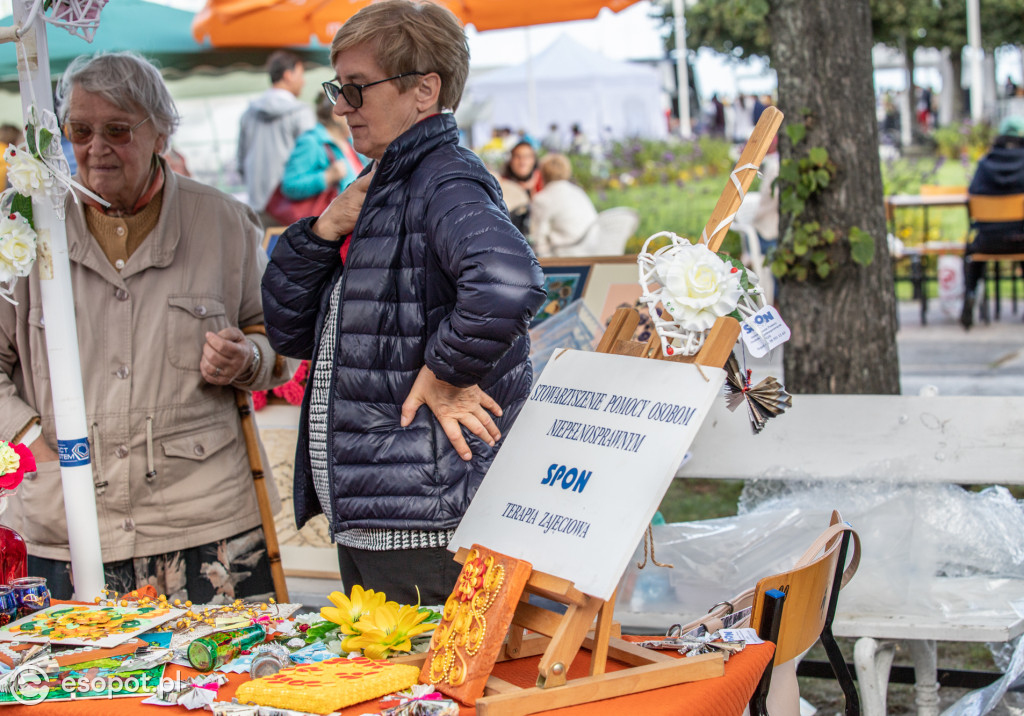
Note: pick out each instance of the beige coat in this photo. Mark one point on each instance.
(140, 335)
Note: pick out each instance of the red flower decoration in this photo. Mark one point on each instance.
(26, 463)
(259, 399)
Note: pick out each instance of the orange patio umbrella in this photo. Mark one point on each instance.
(280, 23)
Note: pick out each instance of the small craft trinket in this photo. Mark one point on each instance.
(768, 399)
(424, 707)
(268, 659)
(31, 594)
(209, 652)
(8, 605)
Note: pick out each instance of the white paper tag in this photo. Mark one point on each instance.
(763, 331)
(747, 635)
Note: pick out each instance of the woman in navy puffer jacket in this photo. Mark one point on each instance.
(411, 294)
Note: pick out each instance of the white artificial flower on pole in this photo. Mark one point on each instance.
(687, 287)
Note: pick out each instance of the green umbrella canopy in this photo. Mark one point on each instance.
(163, 34)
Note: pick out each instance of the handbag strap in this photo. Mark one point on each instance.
(835, 530)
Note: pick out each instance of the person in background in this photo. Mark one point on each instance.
(269, 128)
(418, 334)
(766, 220)
(562, 217)
(553, 141)
(323, 157)
(10, 134)
(170, 271)
(578, 142)
(1000, 172)
(519, 181)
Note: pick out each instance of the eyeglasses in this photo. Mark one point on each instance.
(113, 132)
(353, 93)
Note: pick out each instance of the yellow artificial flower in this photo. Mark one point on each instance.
(347, 611)
(388, 628)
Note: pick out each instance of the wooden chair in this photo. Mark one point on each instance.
(796, 608)
(997, 209)
(938, 190)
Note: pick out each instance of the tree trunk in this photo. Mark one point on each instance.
(844, 327)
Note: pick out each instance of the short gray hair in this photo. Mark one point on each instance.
(125, 79)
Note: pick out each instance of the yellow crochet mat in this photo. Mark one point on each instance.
(328, 686)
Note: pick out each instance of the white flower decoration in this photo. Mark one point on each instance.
(698, 287)
(27, 175)
(694, 287)
(17, 248)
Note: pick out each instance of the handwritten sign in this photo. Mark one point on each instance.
(584, 468)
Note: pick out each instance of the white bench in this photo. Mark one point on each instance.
(915, 440)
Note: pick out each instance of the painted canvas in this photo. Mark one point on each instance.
(87, 624)
(563, 285)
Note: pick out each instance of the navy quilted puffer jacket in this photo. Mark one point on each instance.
(436, 274)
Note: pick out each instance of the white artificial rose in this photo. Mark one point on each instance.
(698, 287)
(27, 175)
(17, 247)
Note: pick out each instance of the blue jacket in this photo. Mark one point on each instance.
(436, 274)
(304, 172)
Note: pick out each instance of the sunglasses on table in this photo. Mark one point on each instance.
(353, 93)
(112, 132)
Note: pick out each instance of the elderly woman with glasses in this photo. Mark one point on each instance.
(411, 294)
(166, 278)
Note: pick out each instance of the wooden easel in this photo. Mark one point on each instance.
(559, 637)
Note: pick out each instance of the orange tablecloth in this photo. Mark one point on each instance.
(722, 696)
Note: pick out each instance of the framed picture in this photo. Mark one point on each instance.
(563, 284)
(270, 237)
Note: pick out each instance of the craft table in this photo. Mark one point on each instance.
(722, 696)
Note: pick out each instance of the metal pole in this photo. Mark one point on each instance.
(61, 336)
(682, 75)
(974, 40)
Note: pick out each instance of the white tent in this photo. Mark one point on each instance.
(571, 84)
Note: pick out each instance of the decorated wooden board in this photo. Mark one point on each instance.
(87, 625)
(476, 618)
(328, 686)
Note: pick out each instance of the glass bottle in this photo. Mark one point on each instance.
(13, 556)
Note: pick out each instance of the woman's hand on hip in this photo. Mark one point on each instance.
(226, 355)
(339, 218)
(453, 407)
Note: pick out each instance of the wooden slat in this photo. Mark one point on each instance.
(753, 153)
(553, 669)
(621, 327)
(555, 588)
(718, 345)
(538, 619)
(954, 439)
(629, 653)
(596, 688)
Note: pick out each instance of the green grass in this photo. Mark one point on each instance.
(681, 209)
(700, 499)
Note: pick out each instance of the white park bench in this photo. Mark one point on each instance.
(899, 439)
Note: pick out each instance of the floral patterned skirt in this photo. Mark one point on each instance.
(213, 573)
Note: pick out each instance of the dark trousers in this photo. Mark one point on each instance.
(988, 243)
(399, 572)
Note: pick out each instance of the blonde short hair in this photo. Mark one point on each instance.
(555, 167)
(411, 37)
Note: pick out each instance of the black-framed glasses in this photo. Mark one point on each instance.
(113, 132)
(353, 93)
